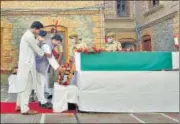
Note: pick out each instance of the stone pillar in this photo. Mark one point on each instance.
(7, 54)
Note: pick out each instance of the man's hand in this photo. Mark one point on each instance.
(47, 55)
(58, 71)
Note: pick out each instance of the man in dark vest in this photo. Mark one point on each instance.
(42, 66)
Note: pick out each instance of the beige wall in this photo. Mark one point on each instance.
(122, 26)
(110, 9)
(74, 21)
(47, 4)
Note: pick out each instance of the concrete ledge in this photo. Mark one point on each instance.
(153, 10)
(161, 19)
(119, 19)
(120, 29)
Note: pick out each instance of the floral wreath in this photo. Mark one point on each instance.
(90, 50)
(68, 69)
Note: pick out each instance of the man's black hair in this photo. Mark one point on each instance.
(57, 37)
(37, 25)
(42, 33)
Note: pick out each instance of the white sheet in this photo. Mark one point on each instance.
(145, 91)
(64, 95)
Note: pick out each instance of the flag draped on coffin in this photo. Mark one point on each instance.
(127, 61)
(125, 81)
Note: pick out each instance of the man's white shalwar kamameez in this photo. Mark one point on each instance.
(26, 76)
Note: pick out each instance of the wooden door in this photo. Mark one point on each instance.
(146, 43)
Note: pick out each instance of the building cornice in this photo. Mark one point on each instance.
(120, 29)
(164, 18)
(119, 19)
(153, 10)
(45, 11)
(15, 13)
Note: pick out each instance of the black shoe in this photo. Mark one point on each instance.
(49, 97)
(72, 106)
(47, 105)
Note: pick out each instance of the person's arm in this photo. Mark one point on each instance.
(54, 64)
(59, 58)
(52, 61)
(33, 44)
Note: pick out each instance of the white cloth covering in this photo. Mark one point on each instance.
(115, 91)
(12, 79)
(64, 95)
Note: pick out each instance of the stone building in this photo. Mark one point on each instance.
(147, 25)
(151, 24)
(157, 22)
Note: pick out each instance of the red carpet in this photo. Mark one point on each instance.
(9, 108)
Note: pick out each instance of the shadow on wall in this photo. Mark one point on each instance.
(4, 78)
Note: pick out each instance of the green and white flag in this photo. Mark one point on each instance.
(127, 61)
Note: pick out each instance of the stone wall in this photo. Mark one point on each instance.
(146, 15)
(86, 23)
(8, 50)
(160, 22)
(163, 36)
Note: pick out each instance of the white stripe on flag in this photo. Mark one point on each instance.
(78, 61)
(175, 60)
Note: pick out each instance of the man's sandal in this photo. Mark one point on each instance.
(30, 112)
(18, 109)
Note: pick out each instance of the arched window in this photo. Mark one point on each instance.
(128, 44)
(146, 43)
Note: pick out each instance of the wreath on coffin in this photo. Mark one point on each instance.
(68, 68)
(90, 50)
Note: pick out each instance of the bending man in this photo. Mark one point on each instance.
(42, 66)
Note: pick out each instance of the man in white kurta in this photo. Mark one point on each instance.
(26, 75)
